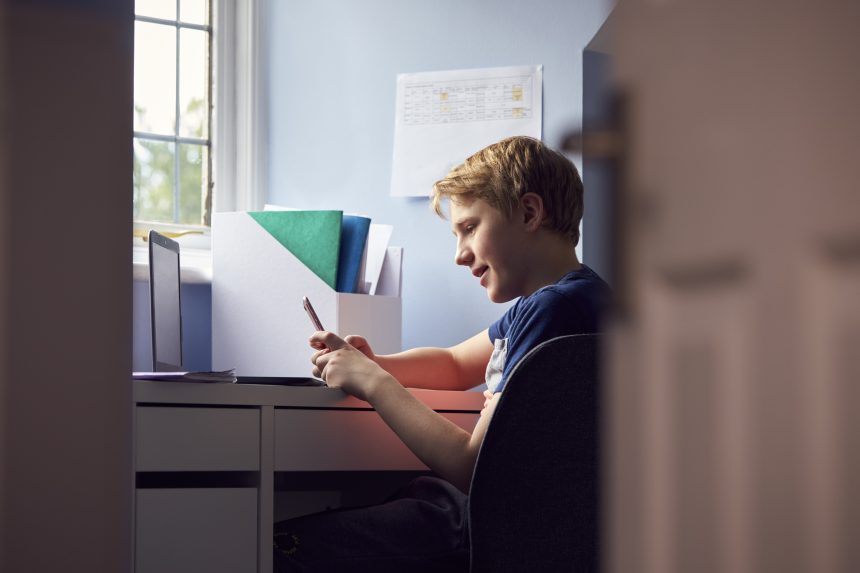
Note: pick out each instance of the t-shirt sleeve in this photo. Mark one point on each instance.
(538, 319)
(499, 329)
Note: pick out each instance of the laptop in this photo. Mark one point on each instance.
(166, 320)
(164, 303)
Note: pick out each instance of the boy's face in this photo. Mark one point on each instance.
(492, 246)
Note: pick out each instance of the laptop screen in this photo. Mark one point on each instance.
(165, 303)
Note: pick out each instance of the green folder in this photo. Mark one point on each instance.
(312, 236)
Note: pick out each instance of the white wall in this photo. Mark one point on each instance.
(332, 67)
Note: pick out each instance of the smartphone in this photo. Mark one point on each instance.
(312, 313)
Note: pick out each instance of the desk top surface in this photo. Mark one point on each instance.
(201, 393)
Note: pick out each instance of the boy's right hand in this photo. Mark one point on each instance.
(361, 344)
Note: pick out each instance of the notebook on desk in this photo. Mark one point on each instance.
(166, 322)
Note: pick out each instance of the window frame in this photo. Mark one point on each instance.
(238, 131)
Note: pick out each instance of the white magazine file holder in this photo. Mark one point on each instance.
(258, 324)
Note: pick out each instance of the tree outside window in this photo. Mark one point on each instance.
(172, 112)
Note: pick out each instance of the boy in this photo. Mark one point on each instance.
(515, 209)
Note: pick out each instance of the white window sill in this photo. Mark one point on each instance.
(195, 265)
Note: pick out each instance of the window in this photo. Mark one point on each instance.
(199, 119)
(172, 112)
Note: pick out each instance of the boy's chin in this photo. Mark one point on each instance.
(498, 297)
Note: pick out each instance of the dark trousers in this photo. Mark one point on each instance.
(422, 528)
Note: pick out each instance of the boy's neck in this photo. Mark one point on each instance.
(555, 258)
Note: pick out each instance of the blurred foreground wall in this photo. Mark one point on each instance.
(734, 408)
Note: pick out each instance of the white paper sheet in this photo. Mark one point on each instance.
(377, 246)
(270, 207)
(391, 276)
(444, 117)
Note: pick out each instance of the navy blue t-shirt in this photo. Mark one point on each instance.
(573, 305)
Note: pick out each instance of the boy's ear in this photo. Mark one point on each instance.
(532, 211)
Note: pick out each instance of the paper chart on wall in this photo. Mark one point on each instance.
(444, 117)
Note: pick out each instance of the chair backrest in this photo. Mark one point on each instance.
(534, 498)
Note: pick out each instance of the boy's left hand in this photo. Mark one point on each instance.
(343, 366)
(488, 395)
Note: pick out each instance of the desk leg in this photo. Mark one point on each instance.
(266, 495)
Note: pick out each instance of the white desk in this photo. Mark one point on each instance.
(206, 457)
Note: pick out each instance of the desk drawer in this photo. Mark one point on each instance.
(332, 440)
(212, 530)
(197, 439)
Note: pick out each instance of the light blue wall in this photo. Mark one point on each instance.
(332, 71)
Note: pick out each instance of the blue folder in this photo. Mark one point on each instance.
(353, 238)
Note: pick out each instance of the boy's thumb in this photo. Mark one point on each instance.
(355, 340)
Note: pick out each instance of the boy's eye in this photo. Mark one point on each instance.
(470, 228)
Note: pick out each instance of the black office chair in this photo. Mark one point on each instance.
(534, 498)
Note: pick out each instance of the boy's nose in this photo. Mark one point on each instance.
(463, 256)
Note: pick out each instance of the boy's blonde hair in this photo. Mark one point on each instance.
(503, 172)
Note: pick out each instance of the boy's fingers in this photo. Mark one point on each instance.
(322, 372)
(317, 354)
(329, 339)
(321, 359)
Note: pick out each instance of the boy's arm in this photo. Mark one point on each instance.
(443, 446)
(459, 367)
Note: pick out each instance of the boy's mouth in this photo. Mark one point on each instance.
(481, 273)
